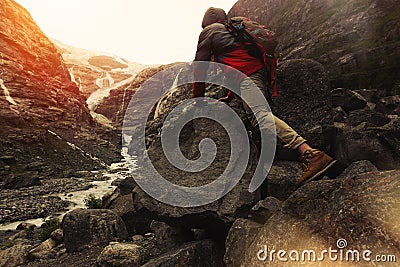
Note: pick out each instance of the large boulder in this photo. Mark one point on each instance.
(218, 215)
(120, 254)
(356, 211)
(304, 97)
(347, 99)
(380, 145)
(14, 256)
(82, 228)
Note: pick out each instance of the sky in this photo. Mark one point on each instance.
(143, 31)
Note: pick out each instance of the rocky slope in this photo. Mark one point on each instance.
(357, 207)
(46, 130)
(44, 116)
(357, 41)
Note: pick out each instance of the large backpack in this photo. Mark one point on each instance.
(253, 33)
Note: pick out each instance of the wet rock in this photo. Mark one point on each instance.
(120, 254)
(199, 253)
(360, 207)
(347, 99)
(136, 222)
(35, 166)
(14, 256)
(371, 95)
(82, 228)
(16, 181)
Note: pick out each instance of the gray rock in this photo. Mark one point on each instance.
(203, 253)
(8, 160)
(342, 42)
(241, 235)
(360, 208)
(347, 99)
(217, 215)
(16, 181)
(26, 226)
(14, 256)
(380, 145)
(135, 221)
(82, 228)
(45, 250)
(304, 97)
(389, 104)
(368, 116)
(264, 209)
(371, 95)
(169, 237)
(120, 254)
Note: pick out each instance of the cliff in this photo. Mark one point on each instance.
(356, 40)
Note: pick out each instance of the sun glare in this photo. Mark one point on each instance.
(150, 32)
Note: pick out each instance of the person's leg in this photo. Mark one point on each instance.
(315, 162)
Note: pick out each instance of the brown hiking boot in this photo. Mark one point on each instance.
(315, 162)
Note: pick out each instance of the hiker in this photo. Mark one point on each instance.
(217, 41)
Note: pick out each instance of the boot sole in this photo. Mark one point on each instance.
(324, 169)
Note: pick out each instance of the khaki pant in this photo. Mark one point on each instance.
(257, 108)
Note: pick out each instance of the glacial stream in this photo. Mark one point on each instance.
(100, 188)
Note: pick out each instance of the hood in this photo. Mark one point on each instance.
(213, 15)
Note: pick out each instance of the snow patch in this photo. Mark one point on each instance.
(7, 93)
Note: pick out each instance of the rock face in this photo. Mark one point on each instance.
(357, 41)
(359, 208)
(45, 120)
(82, 228)
(304, 100)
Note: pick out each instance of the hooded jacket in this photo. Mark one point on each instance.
(215, 41)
